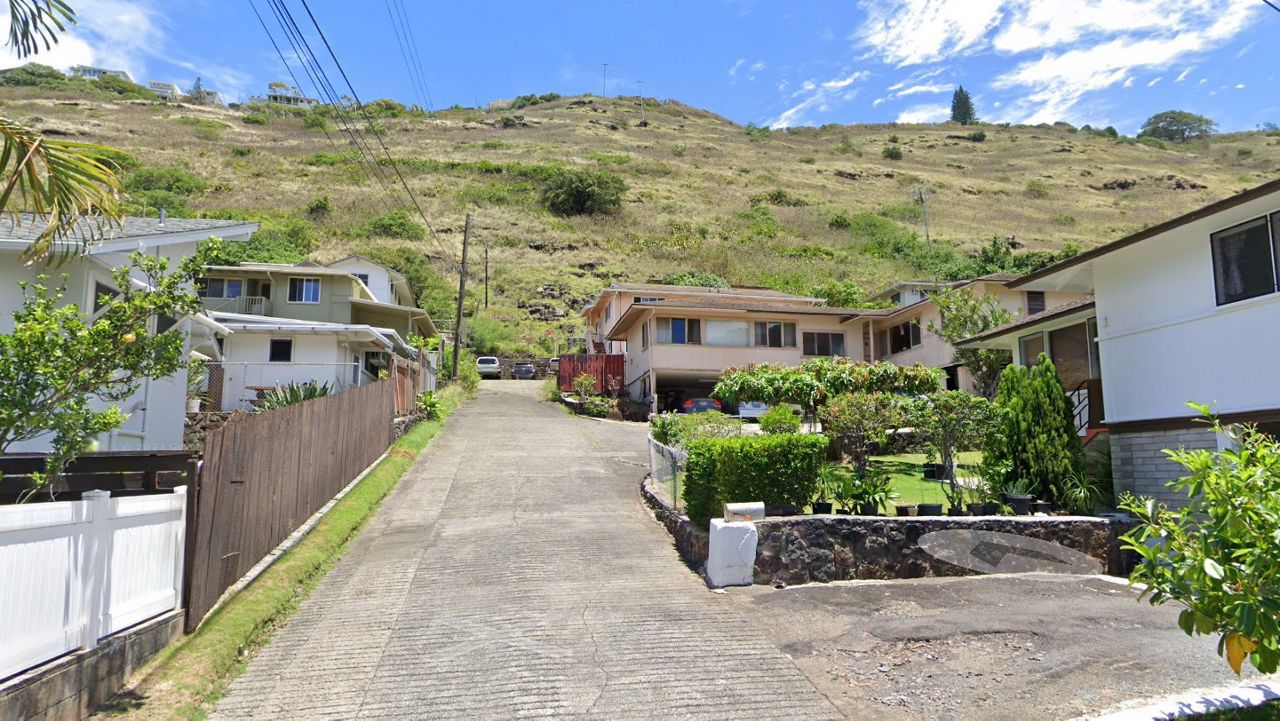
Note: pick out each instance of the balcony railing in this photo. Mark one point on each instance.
(244, 305)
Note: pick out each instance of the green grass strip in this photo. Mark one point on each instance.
(185, 679)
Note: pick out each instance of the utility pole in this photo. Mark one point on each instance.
(486, 271)
(924, 210)
(462, 292)
(604, 81)
(641, 100)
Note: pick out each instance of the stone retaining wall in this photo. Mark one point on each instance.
(691, 541)
(806, 549)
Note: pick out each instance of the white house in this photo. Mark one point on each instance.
(93, 72)
(1183, 311)
(157, 410)
(386, 285)
(168, 92)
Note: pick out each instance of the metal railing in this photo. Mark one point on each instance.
(666, 471)
(244, 305)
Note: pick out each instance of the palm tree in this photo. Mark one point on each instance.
(72, 186)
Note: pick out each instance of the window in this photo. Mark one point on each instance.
(1243, 262)
(882, 344)
(645, 300)
(362, 277)
(644, 334)
(904, 336)
(164, 323)
(219, 287)
(1030, 347)
(775, 334)
(824, 343)
(896, 299)
(728, 332)
(680, 331)
(1035, 302)
(304, 290)
(281, 350)
(102, 294)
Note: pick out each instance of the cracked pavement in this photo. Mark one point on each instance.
(514, 573)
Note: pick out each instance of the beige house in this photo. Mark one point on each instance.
(901, 335)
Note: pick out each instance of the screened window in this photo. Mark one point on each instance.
(728, 332)
(904, 336)
(219, 287)
(1035, 302)
(680, 331)
(281, 350)
(823, 343)
(304, 290)
(1030, 347)
(1243, 262)
(775, 334)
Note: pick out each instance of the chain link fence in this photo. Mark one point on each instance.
(666, 471)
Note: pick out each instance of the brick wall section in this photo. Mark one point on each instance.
(1140, 466)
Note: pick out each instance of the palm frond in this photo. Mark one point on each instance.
(36, 23)
(71, 186)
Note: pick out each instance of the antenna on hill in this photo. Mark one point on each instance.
(604, 81)
(641, 82)
(918, 196)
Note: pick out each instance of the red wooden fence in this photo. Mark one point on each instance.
(607, 369)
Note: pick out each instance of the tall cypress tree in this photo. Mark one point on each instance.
(1037, 434)
(962, 107)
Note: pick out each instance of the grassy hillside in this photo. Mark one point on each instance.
(783, 209)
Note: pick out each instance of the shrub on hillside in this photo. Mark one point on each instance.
(697, 278)
(891, 152)
(976, 136)
(275, 241)
(255, 119)
(779, 420)
(395, 224)
(775, 469)
(1037, 189)
(779, 197)
(583, 192)
(172, 180)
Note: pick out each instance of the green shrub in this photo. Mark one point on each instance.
(170, 180)
(893, 139)
(756, 132)
(859, 424)
(679, 150)
(495, 145)
(429, 404)
(891, 152)
(275, 241)
(779, 419)
(395, 224)
(976, 136)
(1036, 435)
(610, 158)
(255, 119)
(585, 385)
(1218, 555)
(314, 121)
(1063, 219)
(902, 211)
(583, 192)
(779, 197)
(679, 429)
(124, 88)
(294, 393)
(775, 469)
(319, 207)
(698, 279)
(339, 158)
(598, 406)
(1037, 189)
(468, 374)
(839, 220)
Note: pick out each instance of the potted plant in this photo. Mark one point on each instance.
(877, 494)
(1039, 506)
(828, 483)
(906, 509)
(1018, 495)
(957, 495)
(929, 509)
(197, 374)
(848, 493)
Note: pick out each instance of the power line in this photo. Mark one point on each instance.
(404, 53)
(360, 106)
(415, 54)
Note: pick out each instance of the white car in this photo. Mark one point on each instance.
(752, 409)
(489, 367)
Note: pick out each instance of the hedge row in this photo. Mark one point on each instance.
(776, 469)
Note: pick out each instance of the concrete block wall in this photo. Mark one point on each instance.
(1140, 466)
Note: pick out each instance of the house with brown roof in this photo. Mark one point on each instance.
(1182, 311)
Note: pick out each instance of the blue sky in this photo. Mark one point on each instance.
(1104, 62)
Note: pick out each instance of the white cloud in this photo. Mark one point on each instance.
(877, 102)
(1182, 75)
(846, 81)
(1154, 82)
(929, 89)
(1239, 86)
(1128, 82)
(733, 71)
(1065, 50)
(819, 97)
(925, 114)
(757, 66)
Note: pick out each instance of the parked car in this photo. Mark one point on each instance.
(752, 410)
(524, 371)
(489, 367)
(699, 405)
(553, 365)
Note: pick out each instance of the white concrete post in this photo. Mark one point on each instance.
(179, 546)
(731, 553)
(94, 569)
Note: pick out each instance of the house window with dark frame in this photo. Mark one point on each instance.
(280, 350)
(904, 336)
(219, 287)
(823, 344)
(644, 334)
(304, 290)
(102, 295)
(1035, 302)
(1030, 347)
(1244, 260)
(362, 277)
(680, 331)
(775, 334)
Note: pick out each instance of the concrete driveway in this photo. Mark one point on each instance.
(514, 573)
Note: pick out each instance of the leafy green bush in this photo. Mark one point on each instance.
(859, 424)
(779, 419)
(314, 121)
(976, 136)
(892, 152)
(395, 224)
(294, 393)
(679, 429)
(585, 385)
(325, 158)
(902, 211)
(840, 293)
(255, 119)
(810, 384)
(598, 406)
(524, 101)
(1037, 189)
(776, 469)
(1036, 434)
(839, 220)
(468, 374)
(1218, 555)
(697, 279)
(275, 241)
(951, 421)
(779, 197)
(429, 404)
(757, 132)
(123, 88)
(583, 192)
(172, 180)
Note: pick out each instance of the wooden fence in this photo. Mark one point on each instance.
(123, 473)
(607, 369)
(265, 475)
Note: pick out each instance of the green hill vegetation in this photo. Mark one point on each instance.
(571, 193)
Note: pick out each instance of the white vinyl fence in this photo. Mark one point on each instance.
(74, 572)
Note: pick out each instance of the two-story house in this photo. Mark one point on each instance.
(156, 411)
(1182, 311)
(901, 336)
(307, 323)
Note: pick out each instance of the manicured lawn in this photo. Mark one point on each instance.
(907, 472)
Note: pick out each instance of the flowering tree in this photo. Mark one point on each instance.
(952, 420)
(816, 380)
(61, 371)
